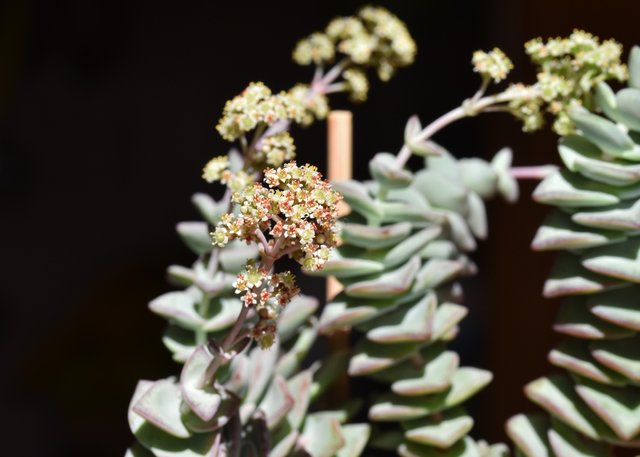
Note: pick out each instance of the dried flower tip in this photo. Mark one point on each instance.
(493, 64)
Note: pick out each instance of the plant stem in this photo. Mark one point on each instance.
(535, 172)
(470, 107)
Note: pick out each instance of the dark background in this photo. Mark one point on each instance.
(107, 114)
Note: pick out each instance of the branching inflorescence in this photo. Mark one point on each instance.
(399, 255)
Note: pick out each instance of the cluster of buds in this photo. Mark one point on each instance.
(267, 293)
(274, 150)
(297, 211)
(373, 38)
(217, 169)
(492, 65)
(569, 68)
(313, 104)
(256, 105)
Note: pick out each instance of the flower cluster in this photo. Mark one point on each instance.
(217, 169)
(569, 68)
(357, 84)
(373, 38)
(255, 105)
(274, 150)
(493, 64)
(298, 210)
(267, 293)
(312, 104)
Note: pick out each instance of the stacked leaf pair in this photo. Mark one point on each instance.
(596, 402)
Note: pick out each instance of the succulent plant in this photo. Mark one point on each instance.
(405, 245)
(594, 403)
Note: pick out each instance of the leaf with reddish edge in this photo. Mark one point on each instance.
(622, 356)
(565, 441)
(465, 383)
(178, 306)
(618, 306)
(369, 237)
(556, 394)
(386, 285)
(575, 319)
(202, 399)
(277, 402)
(160, 405)
(619, 408)
(408, 323)
(441, 431)
(529, 432)
(569, 190)
(321, 436)
(573, 355)
(295, 314)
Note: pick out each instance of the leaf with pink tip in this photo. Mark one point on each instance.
(321, 436)
(371, 357)
(569, 190)
(369, 237)
(618, 306)
(448, 315)
(565, 441)
(277, 402)
(574, 355)
(463, 448)
(557, 395)
(407, 323)
(575, 319)
(622, 356)
(404, 250)
(560, 232)
(386, 285)
(355, 437)
(180, 307)
(529, 432)
(569, 277)
(624, 217)
(203, 400)
(160, 405)
(295, 314)
(442, 431)
(465, 382)
(346, 262)
(342, 314)
(436, 376)
(620, 261)
(582, 156)
(436, 272)
(619, 408)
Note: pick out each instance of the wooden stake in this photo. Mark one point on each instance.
(339, 167)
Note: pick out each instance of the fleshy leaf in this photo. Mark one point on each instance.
(386, 285)
(160, 405)
(369, 237)
(618, 306)
(574, 355)
(383, 168)
(556, 395)
(605, 134)
(355, 437)
(410, 323)
(321, 436)
(408, 247)
(295, 314)
(178, 306)
(529, 432)
(622, 356)
(564, 189)
(204, 401)
(479, 176)
(567, 442)
(575, 319)
(619, 408)
(441, 432)
(465, 382)
(277, 402)
(634, 67)
(196, 236)
(623, 217)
